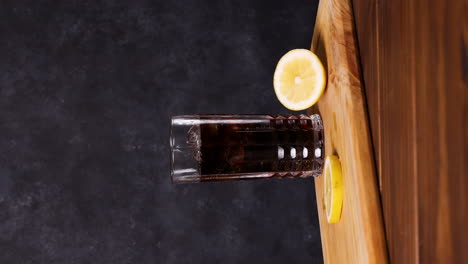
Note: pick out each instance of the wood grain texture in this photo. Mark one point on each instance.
(359, 236)
(414, 61)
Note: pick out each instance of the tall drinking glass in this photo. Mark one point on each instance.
(238, 147)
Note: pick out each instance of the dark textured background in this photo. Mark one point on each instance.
(86, 92)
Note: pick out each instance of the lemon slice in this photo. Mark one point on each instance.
(333, 189)
(299, 79)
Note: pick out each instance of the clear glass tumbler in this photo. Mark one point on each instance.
(238, 147)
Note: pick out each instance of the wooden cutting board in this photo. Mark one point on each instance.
(359, 236)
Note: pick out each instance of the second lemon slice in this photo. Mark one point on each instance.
(299, 79)
(333, 188)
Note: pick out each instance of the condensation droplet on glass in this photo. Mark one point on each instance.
(293, 153)
(305, 152)
(280, 153)
(318, 152)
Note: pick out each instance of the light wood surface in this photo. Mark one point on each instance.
(359, 236)
(414, 62)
